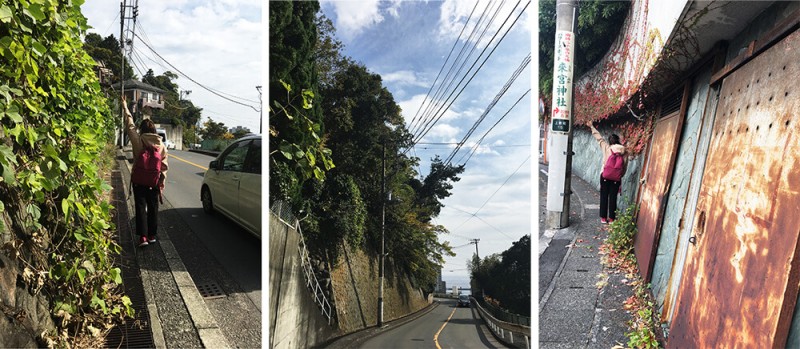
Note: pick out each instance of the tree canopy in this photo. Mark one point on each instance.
(505, 277)
(361, 126)
(109, 53)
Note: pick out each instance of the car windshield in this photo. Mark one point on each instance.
(463, 297)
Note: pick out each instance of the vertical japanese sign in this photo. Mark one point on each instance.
(562, 81)
(558, 142)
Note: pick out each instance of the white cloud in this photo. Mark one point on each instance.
(455, 14)
(353, 17)
(217, 43)
(403, 77)
(394, 8)
(442, 132)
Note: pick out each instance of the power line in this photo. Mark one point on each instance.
(426, 112)
(411, 124)
(195, 81)
(491, 105)
(475, 147)
(447, 82)
(495, 192)
(147, 39)
(427, 128)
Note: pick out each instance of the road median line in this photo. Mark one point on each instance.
(436, 336)
(188, 162)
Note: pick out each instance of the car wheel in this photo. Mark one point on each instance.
(205, 197)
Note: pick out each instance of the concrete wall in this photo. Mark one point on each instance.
(587, 163)
(355, 286)
(295, 320)
(174, 133)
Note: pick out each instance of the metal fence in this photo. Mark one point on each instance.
(285, 215)
(503, 315)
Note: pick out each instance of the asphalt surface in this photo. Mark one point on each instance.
(176, 270)
(214, 250)
(463, 328)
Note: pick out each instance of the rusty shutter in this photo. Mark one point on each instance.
(740, 284)
(656, 177)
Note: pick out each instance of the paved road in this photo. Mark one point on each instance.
(215, 250)
(462, 329)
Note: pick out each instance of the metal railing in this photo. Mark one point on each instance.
(284, 213)
(514, 335)
(503, 315)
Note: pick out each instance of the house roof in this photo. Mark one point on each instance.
(135, 84)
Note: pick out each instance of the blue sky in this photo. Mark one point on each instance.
(407, 43)
(215, 42)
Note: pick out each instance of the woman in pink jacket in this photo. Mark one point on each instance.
(611, 175)
(148, 174)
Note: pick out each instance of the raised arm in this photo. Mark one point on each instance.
(598, 137)
(130, 128)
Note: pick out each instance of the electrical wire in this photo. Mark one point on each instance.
(447, 82)
(475, 147)
(489, 108)
(195, 81)
(493, 194)
(147, 39)
(434, 121)
(411, 124)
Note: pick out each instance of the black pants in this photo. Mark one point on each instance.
(608, 198)
(146, 199)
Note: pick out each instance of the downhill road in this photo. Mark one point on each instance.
(444, 327)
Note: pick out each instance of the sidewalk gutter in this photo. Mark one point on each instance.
(206, 327)
(574, 311)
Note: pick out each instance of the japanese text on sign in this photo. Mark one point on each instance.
(562, 81)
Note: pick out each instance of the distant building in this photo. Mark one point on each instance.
(143, 99)
(441, 286)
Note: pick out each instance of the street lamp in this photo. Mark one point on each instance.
(260, 110)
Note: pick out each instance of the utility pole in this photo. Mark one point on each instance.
(126, 12)
(475, 241)
(383, 236)
(560, 147)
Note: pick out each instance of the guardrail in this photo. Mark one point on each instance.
(514, 335)
(506, 316)
(284, 213)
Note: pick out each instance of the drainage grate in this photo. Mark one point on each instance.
(210, 290)
(136, 332)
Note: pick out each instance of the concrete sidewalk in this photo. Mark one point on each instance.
(179, 317)
(573, 311)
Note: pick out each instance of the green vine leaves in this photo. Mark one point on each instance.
(310, 156)
(55, 124)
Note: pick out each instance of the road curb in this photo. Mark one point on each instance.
(206, 327)
(353, 339)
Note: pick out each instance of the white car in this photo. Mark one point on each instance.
(232, 184)
(167, 143)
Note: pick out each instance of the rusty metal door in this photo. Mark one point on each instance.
(655, 183)
(740, 284)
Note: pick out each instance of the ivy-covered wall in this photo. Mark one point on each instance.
(587, 163)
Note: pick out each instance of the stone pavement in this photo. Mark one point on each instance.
(179, 317)
(573, 312)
